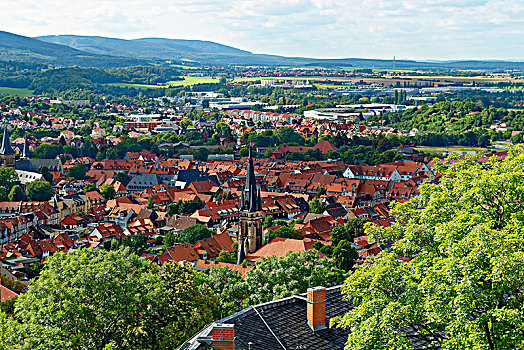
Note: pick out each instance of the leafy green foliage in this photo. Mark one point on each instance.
(273, 278)
(90, 187)
(39, 191)
(276, 278)
(123, 178)
(185, 207)
(462, 287)
(8, 178)
(316, 206)
(353, 228)
(194, 233)
(78, 172)
(17, 194)
(286, 232)
(108, 191)
(137, 244)
(91, 299)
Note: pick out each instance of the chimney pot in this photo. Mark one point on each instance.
(316, 308)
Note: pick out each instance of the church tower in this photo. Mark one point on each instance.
(7, 154)
(251, 215)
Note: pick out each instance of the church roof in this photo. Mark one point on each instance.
(6, 143)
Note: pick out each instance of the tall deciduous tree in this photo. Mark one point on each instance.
(94, 299)
(78, 172)
(108, 191)
(462, 287)
(17, 193)
(39, 191)
(8, 177)
(194, 233)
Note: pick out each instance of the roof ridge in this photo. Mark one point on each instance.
(269, 328)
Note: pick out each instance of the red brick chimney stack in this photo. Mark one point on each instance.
(223, 336)
(316, 308)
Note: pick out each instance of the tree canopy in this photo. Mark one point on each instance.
(91, 299)
(39, 191)
(194, 233)
(462, 286)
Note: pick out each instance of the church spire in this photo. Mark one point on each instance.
(241, 252)
(6, 143)
(250, 201)
(26, 152)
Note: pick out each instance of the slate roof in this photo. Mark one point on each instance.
(282, 324)
(36, 164)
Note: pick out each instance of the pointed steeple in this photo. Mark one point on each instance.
(259, 199)
(26, 152)
(6, 143)
(250, 191)
(241, 252)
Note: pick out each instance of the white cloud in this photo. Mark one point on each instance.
(444, 29)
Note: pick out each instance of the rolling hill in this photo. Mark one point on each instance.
(101, 52)
(208, 52)
(21, 48)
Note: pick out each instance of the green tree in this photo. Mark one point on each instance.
(150, 202)
(344, 255)
(353, 228)
(287, 232)
(46, 174)
(227, 257)
(194, 233)
(91, 299)
(78, 172)
(316, 206)
(90, 187)
(276, 278)
(8, 178)
(461, 287)
(39, 191)
(108, 191)
(170, 239)
(17, 194)
(269, 221)
(230, 288)
(123, 178)
(3, 194)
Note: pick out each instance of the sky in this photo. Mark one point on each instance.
(413, 29)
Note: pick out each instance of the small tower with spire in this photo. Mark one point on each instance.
(26, 152)
(7, 154)
(251, 215)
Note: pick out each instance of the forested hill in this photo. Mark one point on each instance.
(147, 47)
(21, 48)
(101, 52)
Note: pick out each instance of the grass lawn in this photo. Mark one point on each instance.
(16, 91)
(186, 82)
(193, 81)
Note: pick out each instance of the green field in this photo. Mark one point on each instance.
(186, 82)
(193, 81)
(16, 91)
(137, 86)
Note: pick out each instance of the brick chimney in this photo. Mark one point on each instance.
(223, 336)
(316, 308)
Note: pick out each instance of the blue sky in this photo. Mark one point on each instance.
(416, 29)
